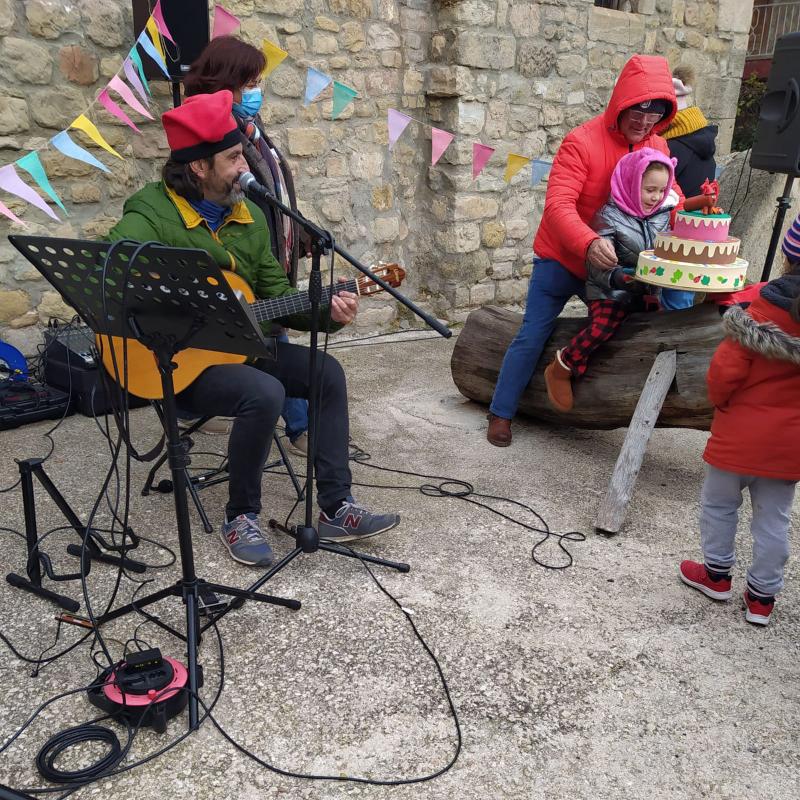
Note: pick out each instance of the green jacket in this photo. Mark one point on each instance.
(241, 244)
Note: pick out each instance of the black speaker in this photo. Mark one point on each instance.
(777, 143)
(187, 21)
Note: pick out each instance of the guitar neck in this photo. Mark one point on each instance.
(298, 302)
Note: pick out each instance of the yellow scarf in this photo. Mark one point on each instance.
(686, 121)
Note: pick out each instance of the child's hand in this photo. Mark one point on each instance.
(620, 278)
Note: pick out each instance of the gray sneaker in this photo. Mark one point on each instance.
(353, 522)
(245, 541)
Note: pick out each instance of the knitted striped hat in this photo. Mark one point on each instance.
(791, 242)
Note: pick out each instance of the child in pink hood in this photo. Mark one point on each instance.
(641, 203)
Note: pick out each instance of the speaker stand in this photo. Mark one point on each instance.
(784, 203)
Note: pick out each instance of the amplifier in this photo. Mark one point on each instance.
(84, 384)
(72, 344)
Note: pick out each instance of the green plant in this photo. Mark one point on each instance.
(747, 107)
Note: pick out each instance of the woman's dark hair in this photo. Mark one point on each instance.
(225, 63)
(182, 180)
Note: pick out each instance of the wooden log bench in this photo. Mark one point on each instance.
(651, 373)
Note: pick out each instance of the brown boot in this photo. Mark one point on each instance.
(499, 433)
(558, 378)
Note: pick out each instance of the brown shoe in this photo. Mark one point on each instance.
(558, 379)
(499, 433)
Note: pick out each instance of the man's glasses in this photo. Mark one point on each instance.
(640, 116)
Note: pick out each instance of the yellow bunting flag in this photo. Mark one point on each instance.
(514, 164)
(83, 123)
(274, 56)
(155, 35)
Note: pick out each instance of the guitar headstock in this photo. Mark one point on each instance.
(393, 274)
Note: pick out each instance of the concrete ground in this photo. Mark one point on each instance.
(608, 679)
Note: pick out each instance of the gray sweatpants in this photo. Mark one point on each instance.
(719, 513)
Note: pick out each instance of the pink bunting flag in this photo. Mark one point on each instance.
(124, 91)
(481, 153)
(158, 17)
(440, 141)
(112, 108)
(7, 212)
(11, 182)
(224, 22)
(134, 80)
(397, 124)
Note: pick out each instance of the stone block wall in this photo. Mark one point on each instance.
(515, 75)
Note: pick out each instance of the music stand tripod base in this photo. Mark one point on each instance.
(168, 299)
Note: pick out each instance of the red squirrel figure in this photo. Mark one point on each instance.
(705, 202)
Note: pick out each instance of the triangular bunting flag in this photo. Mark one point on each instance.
(32, 164)
(7, 212)
(397, 123)
(123, 90)
(481, 153)
(224, 22)
(316, 82)
(137, 59)
(342, 97)
(144, 42)
(114, 109)
(83, 123)
(274, 56)
(514, 164)
(440, 141)
(539, 170)
(133, 79)
(64, 144)
(158, 16)
(152, 29)
(11, 182)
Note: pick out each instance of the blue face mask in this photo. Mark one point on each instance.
(251, 103)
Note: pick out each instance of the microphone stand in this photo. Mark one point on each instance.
(306, 535)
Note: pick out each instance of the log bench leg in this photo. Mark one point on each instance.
(614, 506)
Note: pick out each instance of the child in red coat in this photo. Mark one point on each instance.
(754, 385)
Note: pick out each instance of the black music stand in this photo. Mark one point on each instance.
(168, 299)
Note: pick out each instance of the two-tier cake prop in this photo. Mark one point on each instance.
(698, 254)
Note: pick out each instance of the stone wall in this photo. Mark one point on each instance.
(514, 75)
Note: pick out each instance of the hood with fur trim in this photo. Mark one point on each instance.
(765, 338)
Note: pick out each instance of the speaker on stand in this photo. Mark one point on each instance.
(777, 141)
(187, 21)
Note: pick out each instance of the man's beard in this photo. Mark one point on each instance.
(234, 196)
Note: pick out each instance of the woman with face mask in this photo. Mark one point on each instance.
(229, 63)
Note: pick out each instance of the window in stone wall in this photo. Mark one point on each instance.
(618, 5)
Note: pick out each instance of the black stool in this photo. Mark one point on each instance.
(195, 483)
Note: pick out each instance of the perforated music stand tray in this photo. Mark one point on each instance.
(168, 299)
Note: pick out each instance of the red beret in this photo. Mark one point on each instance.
(201, 126)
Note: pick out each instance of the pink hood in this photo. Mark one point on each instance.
(626, 180)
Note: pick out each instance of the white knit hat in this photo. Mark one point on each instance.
(683, 93)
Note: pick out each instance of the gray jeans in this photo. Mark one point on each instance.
(719, 513)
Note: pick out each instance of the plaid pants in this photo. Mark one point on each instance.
(605, 316)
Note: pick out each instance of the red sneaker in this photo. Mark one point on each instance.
(695, 575)
(755, 611)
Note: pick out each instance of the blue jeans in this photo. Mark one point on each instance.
(675, 299)
(550, 287)
(295, 410)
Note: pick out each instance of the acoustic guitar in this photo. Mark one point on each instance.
(143, 378)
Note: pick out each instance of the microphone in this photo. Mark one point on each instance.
(250, 186)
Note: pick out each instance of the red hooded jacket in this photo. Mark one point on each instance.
(580, 180)
(754, 384)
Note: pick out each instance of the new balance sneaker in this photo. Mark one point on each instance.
(696, 575)
(757, 609)
(352, 522)
(245, 541)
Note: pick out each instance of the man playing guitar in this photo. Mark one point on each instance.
(199, 204)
